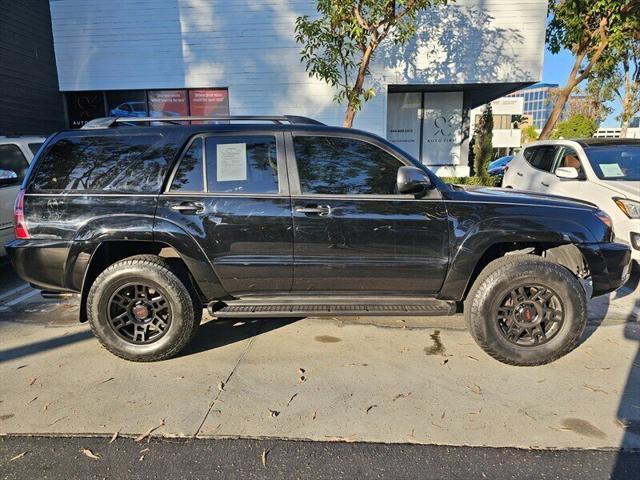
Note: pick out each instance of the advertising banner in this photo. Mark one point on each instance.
(84, 106)
(442, 128)
(403, 121)
(168, 103)
(127, 103)
(209, 102)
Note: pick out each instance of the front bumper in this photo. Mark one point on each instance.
(609, 263)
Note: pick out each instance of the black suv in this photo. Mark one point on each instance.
(150, 220)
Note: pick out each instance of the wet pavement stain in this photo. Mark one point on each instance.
(327, 339)
(438, 347)
(582, 427)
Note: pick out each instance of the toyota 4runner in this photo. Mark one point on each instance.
(150, 220)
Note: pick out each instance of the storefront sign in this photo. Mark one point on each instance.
(442, 128)
(168, 103)
(209, 102)
(403, 121)
(84, 106)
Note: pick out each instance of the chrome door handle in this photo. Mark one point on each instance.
(320, 210)
(189, 207)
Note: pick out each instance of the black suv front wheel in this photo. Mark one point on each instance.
(525, 310)
(141, 310)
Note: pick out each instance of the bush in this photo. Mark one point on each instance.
(488, 181)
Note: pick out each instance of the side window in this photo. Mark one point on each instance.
(543, 158)
(528, 153)
(34, 147)
(190, 175)
(122, 163)
(569, 158)
(11, 158)
(344, 166)
(241, 164)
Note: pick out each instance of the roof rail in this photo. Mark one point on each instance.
(108, 122)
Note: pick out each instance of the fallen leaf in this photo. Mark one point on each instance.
(21, 366)
(561, 429)
(401, 395)
(291, 399)
(105, 381)
(436, 425)
(301, 371)
(443, 414)
(473, 358)
(370, 407)
(597, 368)
(475, 388)
(313, 417)
(149, 432)
(595, 389)
(32, 400)
(444, 362)
(265, 452)
(302, 379)
(274, 413)
(20, 455)
(221, 386)
(530, 416)
(33, 380)
(355, 365)
(144, 450)
(87, 452)
(47, 406)
(114, 436)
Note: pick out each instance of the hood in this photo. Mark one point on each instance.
(507, 195)
(627, 189)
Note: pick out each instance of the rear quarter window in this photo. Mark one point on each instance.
(104, 163)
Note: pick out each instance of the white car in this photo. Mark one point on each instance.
(15, 156)
(605, 172)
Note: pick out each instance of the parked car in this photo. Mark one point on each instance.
(149, 224)
(497, 167)
(15, 155)
(605, 172)
(130, 109)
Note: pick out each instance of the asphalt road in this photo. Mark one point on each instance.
(62, 458)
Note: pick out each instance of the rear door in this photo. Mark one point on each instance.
(230, 193)
(537, 169)
(353, 233)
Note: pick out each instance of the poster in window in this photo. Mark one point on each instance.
(168, 103)
(209, 102)
(84, 106)
(127, 103)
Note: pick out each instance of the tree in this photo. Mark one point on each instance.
(529, 134)
(483, 142)
(577, 126)
(628, 90)
(338, 46)
(591, 30)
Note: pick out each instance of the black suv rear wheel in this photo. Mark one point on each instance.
(525, 310)
(141, 310)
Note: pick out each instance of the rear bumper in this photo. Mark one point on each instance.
(40, 263)
(609, 263)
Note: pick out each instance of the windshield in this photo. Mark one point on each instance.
(615, 162)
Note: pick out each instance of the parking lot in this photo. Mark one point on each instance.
(391, 380)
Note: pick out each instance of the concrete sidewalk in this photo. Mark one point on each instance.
(400, 380)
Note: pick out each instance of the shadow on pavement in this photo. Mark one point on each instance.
(218, 333)
(39, 347)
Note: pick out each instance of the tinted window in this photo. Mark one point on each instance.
(615, 162)
(242, 164)
(344, 166)
(11, 158)
(189, 176)
(528, 153)
(34, 147)
(112, 163)
(543, 158)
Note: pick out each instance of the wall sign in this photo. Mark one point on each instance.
(442, 128)
(403, 121)
(84, 106)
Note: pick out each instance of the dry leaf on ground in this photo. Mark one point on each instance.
(114, 436)
(149, 432)
(265, 452)
(88, 453)
(273, 413)
(20, 455)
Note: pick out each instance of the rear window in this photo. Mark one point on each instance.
(108, 163)
(34, 147)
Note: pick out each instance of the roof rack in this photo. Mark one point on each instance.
(109, 122)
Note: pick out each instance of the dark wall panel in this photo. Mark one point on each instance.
(30, 102)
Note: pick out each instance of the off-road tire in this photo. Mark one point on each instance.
(497, 278)
(171, 281)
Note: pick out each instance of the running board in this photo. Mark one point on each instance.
(241, 309)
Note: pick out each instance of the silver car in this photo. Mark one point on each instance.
(15, 155)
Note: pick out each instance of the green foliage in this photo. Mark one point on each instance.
(529, 134)
(339, 44)
(488, 181)
(577, 126)
(483, 142)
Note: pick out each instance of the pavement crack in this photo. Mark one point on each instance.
(225, 382)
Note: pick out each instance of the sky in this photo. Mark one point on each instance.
(556, 70)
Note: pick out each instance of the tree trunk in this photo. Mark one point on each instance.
(624, 128)
(349, 116)
(556, 112)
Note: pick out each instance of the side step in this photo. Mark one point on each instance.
(240, 309)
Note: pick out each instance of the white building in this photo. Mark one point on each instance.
(240, 56)
(614, 132)
(506, 136)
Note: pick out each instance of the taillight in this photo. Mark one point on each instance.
(19, 224)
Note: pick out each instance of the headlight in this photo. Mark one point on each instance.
(630, 208)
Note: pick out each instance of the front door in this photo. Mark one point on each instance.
(353, 233)
(230, 194)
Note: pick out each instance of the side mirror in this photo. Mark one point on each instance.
(567, 172)
(412, 180)
(8, 177)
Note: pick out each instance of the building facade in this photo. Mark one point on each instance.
(30, 102)
(506, 134)
(537, 102)
(166, 57)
